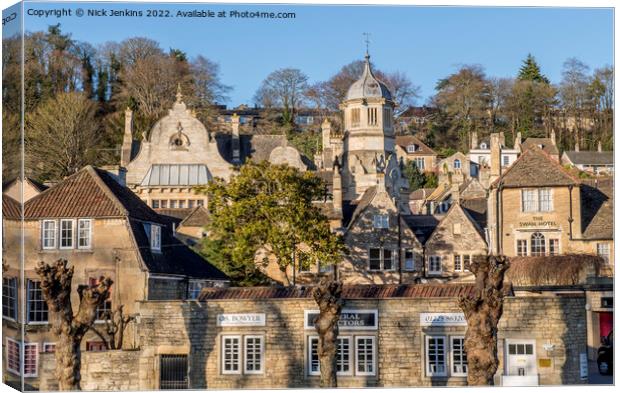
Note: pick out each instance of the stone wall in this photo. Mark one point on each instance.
(110, 370)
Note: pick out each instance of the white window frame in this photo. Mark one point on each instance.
(90, 233)
(606, 251)
(430, 264)
(548, 202)
(457, 164)
(352, 362)
(374, 356)
(60, 234)
(452, 352)
(43, 233)
(11, 342)
(5, 296)
(411, 148)
(240, 359)
(381, 221)
(261, 354)
(155, 238)
(505, 160)
(529, 204)
(427, 363)
(419, 163)
(540, 244)
(28, 301)
(48, 344)
(412, 259)
(21, 362)
(526, 245)
(309, 352)
(458, 257)
(556, 247)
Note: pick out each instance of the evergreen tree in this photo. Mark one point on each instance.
(414, 176)
(530, 71)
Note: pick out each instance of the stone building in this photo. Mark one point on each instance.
(103, 229)
(455, 169)
(539, 208)
(411, 148)
(594, 162)
(390, 336)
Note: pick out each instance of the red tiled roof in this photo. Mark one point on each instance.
(348, 292)
(10, 207)
(89, 193)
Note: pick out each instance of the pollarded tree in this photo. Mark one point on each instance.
(272, 207)
(69, 327)
(483, 311)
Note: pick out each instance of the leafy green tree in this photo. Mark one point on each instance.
(414, 176)
(268, 207)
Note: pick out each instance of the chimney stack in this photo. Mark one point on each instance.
(326, 131)
(599, 146)
(552, 136)
(456, 193)
(474, 140)
(496, 156)
(127, 138)
(235, 143)
(502, 139)
(576, 146)
(337, 188)
(518, 141)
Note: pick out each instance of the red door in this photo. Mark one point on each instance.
(606, 323)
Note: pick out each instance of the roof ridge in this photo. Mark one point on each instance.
(106, 190)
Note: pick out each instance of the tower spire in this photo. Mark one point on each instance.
(367, 41)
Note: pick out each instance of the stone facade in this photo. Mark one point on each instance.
(553, 325)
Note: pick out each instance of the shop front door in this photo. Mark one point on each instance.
(521, 367)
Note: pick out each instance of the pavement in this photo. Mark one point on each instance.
(594, 378)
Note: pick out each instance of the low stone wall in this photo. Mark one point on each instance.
(110, 370)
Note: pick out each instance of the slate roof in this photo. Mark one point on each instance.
(590, 157)
(175, 215)
(547, 145)
(535, 168)
(406, 140)
(421, 225)
(10, 208)
(353, 209)
(198, 217)
(176, 175)
(349, 292)
(597, 212)
(420, 194)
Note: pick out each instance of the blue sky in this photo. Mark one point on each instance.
(427, 43)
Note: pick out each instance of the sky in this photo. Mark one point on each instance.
(426, 43)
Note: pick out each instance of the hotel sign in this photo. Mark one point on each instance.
(241, 320)
(442, 319)
(538, 222)
(349, 319)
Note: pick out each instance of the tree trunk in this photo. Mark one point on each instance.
(483, 311)
(56, 288)
(328, 295)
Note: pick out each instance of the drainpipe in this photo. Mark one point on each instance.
(497, 219)
(570, 212)
(400, 266)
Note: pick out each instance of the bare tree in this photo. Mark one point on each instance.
(483, 311)
(285, 89)
(115, 324)
(328, 295)
(60, 136)
(70, 328)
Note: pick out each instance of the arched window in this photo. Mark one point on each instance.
(457, 164)
(538, 244)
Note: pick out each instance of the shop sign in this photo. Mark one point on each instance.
(349, 319)
(442, 319)
(544, 363)
(241, 320)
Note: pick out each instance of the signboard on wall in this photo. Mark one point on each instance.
(583, 365)
(241, 320)
(349, 319)
(442, 319)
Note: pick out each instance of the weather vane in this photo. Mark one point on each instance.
(367, 40)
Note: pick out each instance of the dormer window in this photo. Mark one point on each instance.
(155, 237)
(412, 148)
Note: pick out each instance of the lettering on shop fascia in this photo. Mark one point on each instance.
(442, 319)
(241, 320)
(349, 319)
